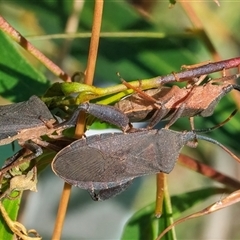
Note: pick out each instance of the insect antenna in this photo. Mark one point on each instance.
(218, 144)
(236, 87)
(205, 130)
(215, 141)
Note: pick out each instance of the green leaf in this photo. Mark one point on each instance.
(135, 58)
(142, 224)
(18, 78)
(12, 207)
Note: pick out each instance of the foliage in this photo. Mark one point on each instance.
(140, 42)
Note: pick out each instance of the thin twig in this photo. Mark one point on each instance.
(92, 55)
(23, 42)
(199, 71)
(81, 120)
(135, 34)
(197, 23)
(160, 194)
(70, 28)
(207, 171)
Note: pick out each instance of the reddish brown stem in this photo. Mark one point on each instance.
(160, 194)
(97, 19)
(199, 29)
(207, 171)
(199, 71)
(62, 209)
(23, 42)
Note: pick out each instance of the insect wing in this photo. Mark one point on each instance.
(112, 159)
(23, 115)
(88, 167)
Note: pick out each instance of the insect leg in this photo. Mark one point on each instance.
(34, 148)
(105, 194)
(162, 110)
(176, 115)
(14, 158)
(158, 116)
(18, 158)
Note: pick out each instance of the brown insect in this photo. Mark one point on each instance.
(106, 164)
(27, 122)
(171, 103)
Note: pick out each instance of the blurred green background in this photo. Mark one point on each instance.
(178, 41)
